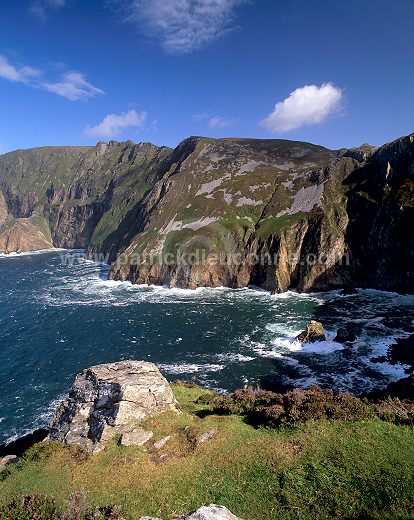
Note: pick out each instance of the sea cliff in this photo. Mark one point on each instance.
(220, 212)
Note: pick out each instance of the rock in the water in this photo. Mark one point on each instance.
(345, 334)
(112, 400)
(403, 352)
(314, 332)
(348, 290)
(211, 512)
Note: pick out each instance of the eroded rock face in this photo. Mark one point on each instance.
(112, 400)
(314, 332)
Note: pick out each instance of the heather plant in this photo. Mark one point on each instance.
(301, 405)
(30, 507)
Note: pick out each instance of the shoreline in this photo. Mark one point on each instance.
(249, 287)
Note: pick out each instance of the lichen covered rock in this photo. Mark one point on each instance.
(112, 400)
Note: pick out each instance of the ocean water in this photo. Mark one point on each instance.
(59, 314)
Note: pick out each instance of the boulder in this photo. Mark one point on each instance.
(7, 460)
(111, 400)
(211, 512)
(314, 332)
(348, 290)
(345, 334)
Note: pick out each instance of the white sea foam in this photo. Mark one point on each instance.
(188, 368)
(31, 253)
(233, 357)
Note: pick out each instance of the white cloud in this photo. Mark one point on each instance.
(220, 122)
(308, 105)
(16, 73)
(42, 8)
(202, 116)
(113, 125)
(73, 86)
(182, 26)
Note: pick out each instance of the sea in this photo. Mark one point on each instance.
(59, 314)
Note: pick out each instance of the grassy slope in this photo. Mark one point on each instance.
(320, 470)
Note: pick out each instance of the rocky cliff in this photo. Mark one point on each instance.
(272, 213)
(112, 400)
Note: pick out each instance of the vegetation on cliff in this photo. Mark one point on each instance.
(345, 466)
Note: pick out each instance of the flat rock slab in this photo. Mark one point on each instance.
(111, 400)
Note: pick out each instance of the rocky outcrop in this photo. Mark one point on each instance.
(112, 400)
(220, 212)
(25, 234)
(402, 352)
(211, 512)
(345, 334)
(314, 332)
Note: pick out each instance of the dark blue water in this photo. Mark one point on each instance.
(58, 315)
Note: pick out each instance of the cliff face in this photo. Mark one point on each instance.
(82, 193)
(220, 212)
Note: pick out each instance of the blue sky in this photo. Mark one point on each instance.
(326, 71)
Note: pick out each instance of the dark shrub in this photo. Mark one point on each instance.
(299, 405)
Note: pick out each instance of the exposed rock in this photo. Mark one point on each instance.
(7, 460)
(348, 290)
(25, 234)
(401, 389)
(162, 442)
(314, 332)
(211, 512)
(136, 437)
(345, 334)
(206, 436)
(403, 352)
(112, 400)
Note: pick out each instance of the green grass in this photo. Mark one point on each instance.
(322, 469)
(274, 225)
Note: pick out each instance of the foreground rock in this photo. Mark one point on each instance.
(112, 400)
(345, 334)
(211, 512)
(314, 332)
(7, 460)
